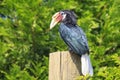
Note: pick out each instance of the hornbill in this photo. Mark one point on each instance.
(74, 37)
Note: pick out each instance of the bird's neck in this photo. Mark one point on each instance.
(69, 24)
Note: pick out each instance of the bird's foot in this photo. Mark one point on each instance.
(70, 50)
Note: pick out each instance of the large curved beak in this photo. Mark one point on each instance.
(57, 17)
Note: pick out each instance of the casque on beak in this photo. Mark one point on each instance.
(57, 17)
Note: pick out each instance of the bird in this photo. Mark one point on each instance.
(74, 37)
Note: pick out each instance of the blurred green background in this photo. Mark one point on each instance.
(25, 42)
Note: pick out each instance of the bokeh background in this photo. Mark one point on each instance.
(25, 39)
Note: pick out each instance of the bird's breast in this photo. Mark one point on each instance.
(68, 31)
(74, 37)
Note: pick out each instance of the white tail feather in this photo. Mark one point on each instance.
(86, 65)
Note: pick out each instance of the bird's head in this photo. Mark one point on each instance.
(65, 16)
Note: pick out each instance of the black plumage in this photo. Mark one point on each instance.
(72, 34)
(74, 37)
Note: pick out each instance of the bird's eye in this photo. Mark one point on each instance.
(62, 13)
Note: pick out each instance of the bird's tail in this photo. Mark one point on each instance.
(86, 65)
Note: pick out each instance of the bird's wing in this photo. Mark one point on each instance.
(75, 38)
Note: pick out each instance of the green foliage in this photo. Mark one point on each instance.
(16, 74)
(25, 41)
(83, 77)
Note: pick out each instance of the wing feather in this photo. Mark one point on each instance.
(75, 38)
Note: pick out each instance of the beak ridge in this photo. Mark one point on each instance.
(55, 19)
(53, 23)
